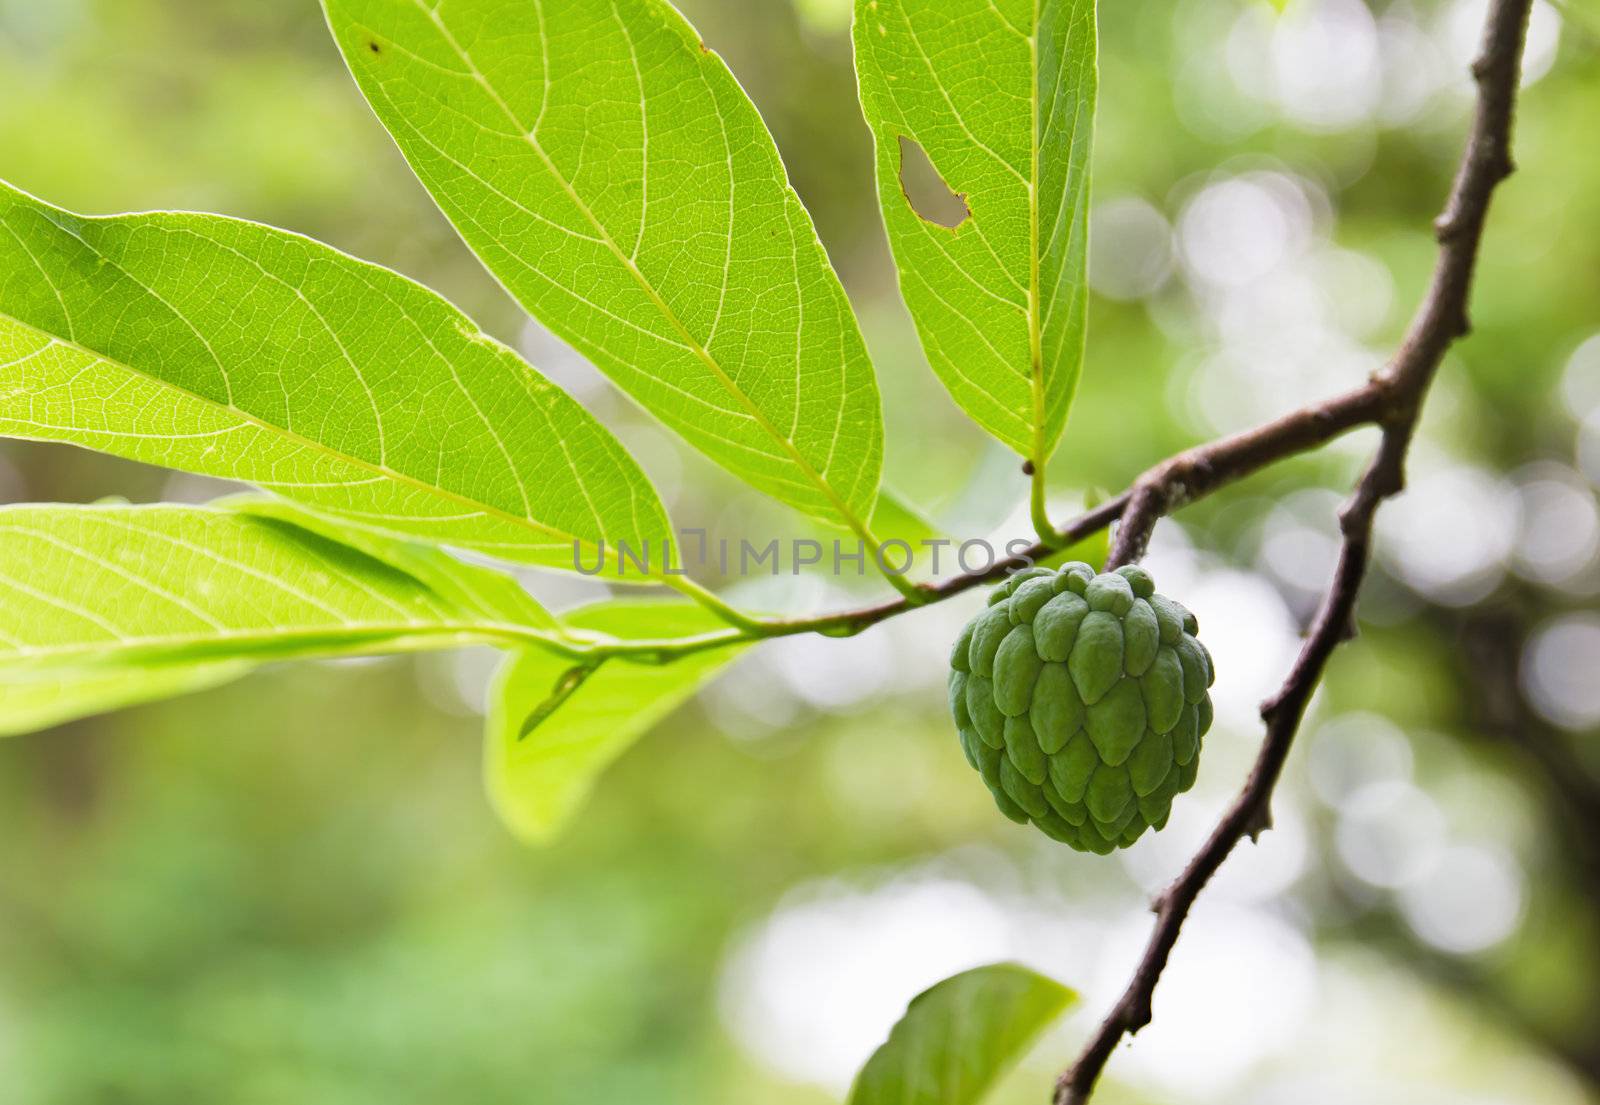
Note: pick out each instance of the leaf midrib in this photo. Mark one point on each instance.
(1035, 308)
(49, 658)
(847, 514)
(322, 448)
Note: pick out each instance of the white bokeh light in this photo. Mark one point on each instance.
(1239, 230)
(1470, 901)
(1389, 834)
(1256, 872)
(1580, 380)
(1320, 65)
(1588, 449)
(1559, 663)
(1284, 309)
(1325, 64)
(1300, 540)
(1250, 633)
(1298, 554)
(1353, 751)
(1414, 68)
(1559, 534)
(833, 674)
(817, 986)
(1463, 32)
(751, 701)
(564, 366)
(1244, 986)
(1455, 534)
(1132, 255)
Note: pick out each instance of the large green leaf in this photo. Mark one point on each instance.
(999, 96)
(609, 170)
(33, 701)
(236, 350)
(85, 589)
(958, 1037)
(582, 721)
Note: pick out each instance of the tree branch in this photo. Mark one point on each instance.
(1397, 393)
(1177, 481)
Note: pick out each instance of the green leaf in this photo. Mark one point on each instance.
(609, 170)
(896, 519)
(1000, 98)
(235, 350)
(46, 700)
(584, 720)
(959, 1036)
(83, 589)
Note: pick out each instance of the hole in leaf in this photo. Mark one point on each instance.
(925, 190)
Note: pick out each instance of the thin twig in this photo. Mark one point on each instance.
(1440, 320)
(1177, 481)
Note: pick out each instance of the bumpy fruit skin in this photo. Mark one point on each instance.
(1081, 699)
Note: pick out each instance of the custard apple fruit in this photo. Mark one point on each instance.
(1081, 699)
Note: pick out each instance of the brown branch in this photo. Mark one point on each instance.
(1174, 482)
(1398, 392)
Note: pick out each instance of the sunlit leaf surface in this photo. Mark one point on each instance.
(30, 702)
(958, 1037)
(538, 777)
(235, 350)
(983, 117)
(94, 587)
(609, 170)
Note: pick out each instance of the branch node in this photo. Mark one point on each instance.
(1260, 821)
(1351, 629)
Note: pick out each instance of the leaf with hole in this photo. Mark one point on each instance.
(958, 1037)
(231, 349)
(608, 169)
(553, 727)
(983, 118)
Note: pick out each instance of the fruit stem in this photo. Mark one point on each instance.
(1048, 534)
(716, 604)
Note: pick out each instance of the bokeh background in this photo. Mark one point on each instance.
(291, 888)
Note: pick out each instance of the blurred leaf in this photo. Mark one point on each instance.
(234, 350)
(895, 519)
(958, 1037)
(30, 704)
(993, 104)
(584, 720)
(84, 589)
(607, 167)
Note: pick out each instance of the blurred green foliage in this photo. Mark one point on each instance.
(292, 889)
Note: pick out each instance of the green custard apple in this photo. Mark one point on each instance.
(1082, 700)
